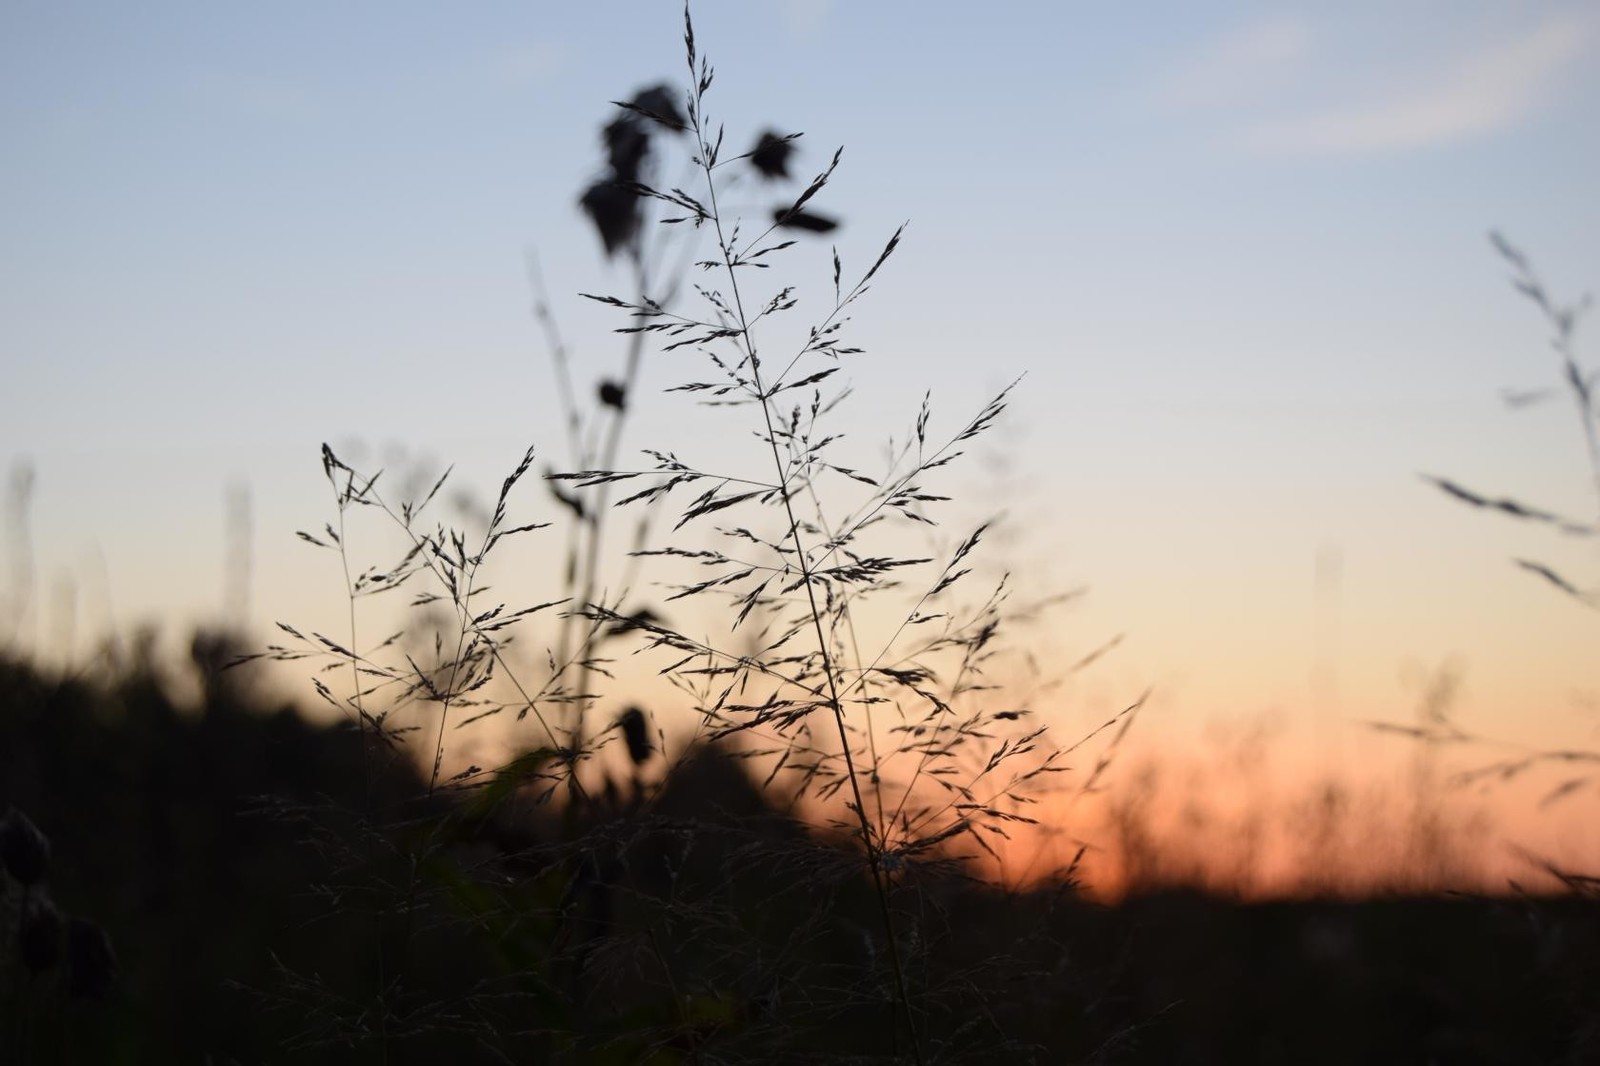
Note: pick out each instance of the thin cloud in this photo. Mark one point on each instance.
(1474, 95)
(1237, 66)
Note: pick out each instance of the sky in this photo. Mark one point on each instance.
(1236, 253)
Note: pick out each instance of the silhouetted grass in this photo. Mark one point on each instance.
(630, 899)
(887, 736)
(1580, 383)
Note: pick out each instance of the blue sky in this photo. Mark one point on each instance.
(1238, 250)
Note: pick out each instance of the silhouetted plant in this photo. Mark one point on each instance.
(949, 772)
(1580, 383)
(45, 956)
(889, 735)
(26, 850)
(637, 142)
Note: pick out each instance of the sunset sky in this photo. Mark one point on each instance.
(1237, 253)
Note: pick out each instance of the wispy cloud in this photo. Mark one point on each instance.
(1236, 66)
(1468, 95)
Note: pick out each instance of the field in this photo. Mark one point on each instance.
(707, 927)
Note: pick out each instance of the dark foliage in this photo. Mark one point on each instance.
(91, 962)
(39, 935)
(25, 850)
(688, 928)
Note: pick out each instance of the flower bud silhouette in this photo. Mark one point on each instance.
(771, 155)
(614, 210)
(661, 103)
(636, 734)
(39, 936)
(91, 964)
(24, 849)
(627, 144)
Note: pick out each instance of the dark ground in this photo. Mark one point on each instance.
(255, 919)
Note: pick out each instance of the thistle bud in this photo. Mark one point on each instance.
(24, 849)
(771, 154)
(39, 936)
(661, 102)
(91, 964)
(614, 210)
(636, 733)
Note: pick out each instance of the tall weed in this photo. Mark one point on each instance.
(767, 888)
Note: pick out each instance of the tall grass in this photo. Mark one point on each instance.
(581, 865)
(1579, 383)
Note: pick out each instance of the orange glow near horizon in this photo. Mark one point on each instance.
(1252, 770)
(1244, 812)
(1334, 839)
